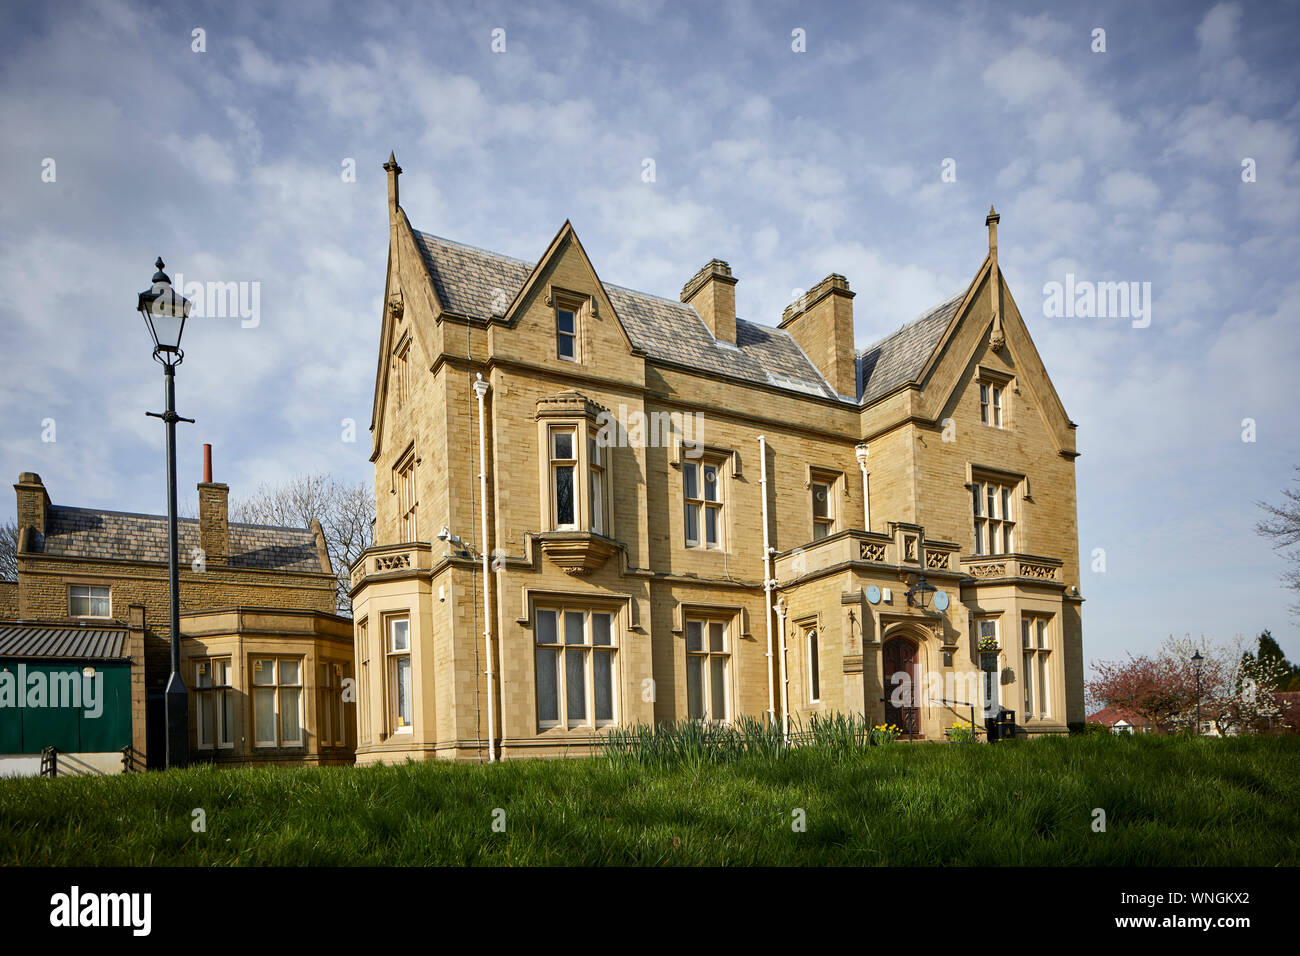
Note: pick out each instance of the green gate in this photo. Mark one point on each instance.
(38, 724)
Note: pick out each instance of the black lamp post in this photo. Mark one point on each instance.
(1196, 662)
(165, 312)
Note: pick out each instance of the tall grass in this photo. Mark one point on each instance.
(694, 743)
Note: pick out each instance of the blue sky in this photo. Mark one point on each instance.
(1117, 166)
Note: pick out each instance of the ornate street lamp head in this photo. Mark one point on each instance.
(165, 311)
(919, 594)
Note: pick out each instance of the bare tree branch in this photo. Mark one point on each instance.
(9, 551)
(1283, 526)
(345, 512)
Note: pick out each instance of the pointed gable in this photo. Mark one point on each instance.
(473, 282)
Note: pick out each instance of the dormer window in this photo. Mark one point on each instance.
(991, 405)
(566, 333)
(571, 310)
(993, 389)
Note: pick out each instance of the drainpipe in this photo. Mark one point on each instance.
(861, 451)
(767, 578)
(785, 680)
(481, 389)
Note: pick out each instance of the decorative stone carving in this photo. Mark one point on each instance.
(1043, 571)
(869, 551)
(392, 562)
(988, 570)
(577, 552)
(937, 560)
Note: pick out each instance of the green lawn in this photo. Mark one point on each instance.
(1167, 801)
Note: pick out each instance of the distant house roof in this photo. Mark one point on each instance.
(477, 283)
(82, 643)
(122, 536)
(1110, 716)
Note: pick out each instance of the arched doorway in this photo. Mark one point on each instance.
(902, 706)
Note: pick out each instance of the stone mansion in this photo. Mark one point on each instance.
(601, 507)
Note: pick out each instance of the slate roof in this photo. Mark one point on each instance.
(472, 281)
(121, 536)
(39, 640)
(476, 283)
(899, 358)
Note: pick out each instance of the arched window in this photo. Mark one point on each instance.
(814, 667)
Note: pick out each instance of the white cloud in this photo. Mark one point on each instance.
(1217, 32)
(1126, 188)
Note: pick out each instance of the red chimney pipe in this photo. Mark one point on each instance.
(207, 464)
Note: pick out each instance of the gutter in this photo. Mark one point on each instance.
(480, 390)
(767, 577)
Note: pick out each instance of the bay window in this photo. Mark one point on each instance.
(596, 485)
(277, 701)
(1035, 656)
(332, 731)
(987, 630)
(564, 465)
(214, 704)
(575, 465)
(399, 675)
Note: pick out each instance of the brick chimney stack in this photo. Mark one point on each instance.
(712, 293)
(214, 515)
(33, 502)
(821, 322)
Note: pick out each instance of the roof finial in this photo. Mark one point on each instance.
(997, 337)
(991, 220)
(393, 171)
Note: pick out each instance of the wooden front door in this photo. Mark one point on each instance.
(901, 690)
